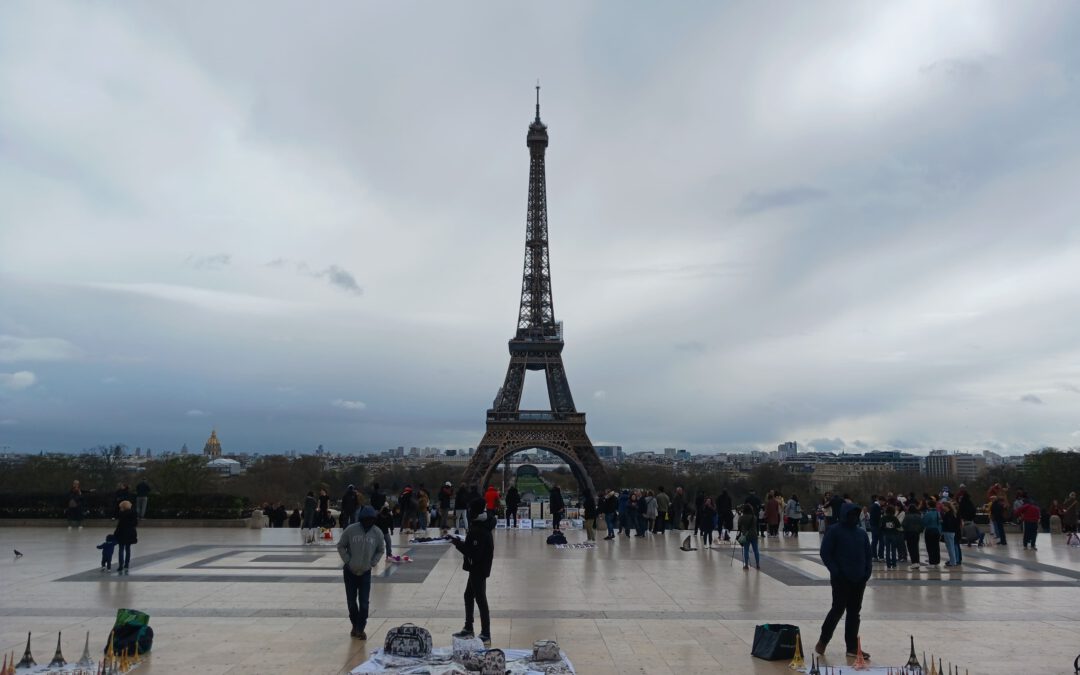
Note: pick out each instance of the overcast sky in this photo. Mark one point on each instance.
(850, 225)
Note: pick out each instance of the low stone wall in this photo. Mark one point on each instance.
(146, 522)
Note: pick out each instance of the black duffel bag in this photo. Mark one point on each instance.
(774, 641)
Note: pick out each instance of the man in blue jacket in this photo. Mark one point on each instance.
(845, 550)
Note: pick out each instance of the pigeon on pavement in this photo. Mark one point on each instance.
(17, 554)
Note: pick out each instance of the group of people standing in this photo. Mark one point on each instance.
(363, 543)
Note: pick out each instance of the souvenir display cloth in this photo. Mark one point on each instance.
(70, 669)
(422, 541)
(583, 545)
(441, 662)
(846, 667)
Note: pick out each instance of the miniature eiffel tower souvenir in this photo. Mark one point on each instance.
(85, 661)
(912, 660)
(58, 658)
(813, 666)
(27, 657)
(797, 661)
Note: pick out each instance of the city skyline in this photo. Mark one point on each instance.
(850, 227)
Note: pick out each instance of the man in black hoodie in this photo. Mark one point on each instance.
(350, 502)
(513, 500)
(845, 550)
(478, 548)
(461, 508)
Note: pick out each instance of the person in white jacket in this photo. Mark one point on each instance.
(360, 547)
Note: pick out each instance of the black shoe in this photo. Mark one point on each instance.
(485, 638)
(464, 634)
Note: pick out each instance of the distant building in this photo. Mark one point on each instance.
(787, 450)
(669, 452)
(829, 470)
(959, 466)
(683, 456)
(224, 467)
(612, 453)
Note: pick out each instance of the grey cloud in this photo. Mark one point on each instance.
(692, 346)
(782, 198)
(341, 278)
(827, 444)
(1067, 386)
(334, 274)
(209, 262)
(958, 69)
(1031, 398)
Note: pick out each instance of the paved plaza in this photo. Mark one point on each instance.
(257, 601)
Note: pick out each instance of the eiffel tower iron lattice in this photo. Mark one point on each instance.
(537, 345)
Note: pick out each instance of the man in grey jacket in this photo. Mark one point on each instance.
(360, 547)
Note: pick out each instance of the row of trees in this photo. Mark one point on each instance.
(1048, 474)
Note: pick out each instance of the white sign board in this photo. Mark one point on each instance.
(525, 523)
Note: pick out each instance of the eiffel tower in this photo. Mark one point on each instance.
(537, 345)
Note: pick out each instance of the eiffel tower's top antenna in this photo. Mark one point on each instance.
(538, 99)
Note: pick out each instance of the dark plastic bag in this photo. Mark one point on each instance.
(131, 631)
(774, 641)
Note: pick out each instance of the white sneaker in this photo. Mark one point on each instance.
(913, 567)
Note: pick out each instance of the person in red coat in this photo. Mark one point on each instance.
(1029, 515)
(491, 501)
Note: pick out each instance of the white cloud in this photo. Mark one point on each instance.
(599, 394)
(23, 379)
(349, 405)
(202, 298)
(14, 349)
(196, 413)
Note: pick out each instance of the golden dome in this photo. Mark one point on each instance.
(213, 445)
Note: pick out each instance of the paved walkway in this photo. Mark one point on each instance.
(251, 601)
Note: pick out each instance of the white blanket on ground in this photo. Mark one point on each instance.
(518, 662)
(584, 545)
